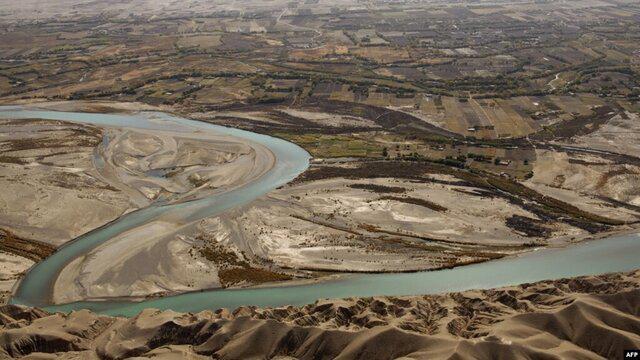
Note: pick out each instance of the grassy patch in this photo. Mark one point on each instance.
(221, 256)
(332, 146)
(232, 276)
(233, 270)
(379, 188)
(12, 160)
(528, 226)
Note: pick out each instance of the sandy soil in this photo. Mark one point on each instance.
(51, 189)
(255, 116)
(84, 176)
(323, 225)
(583, 180)
(309, 228)
(333, 120)
(160, 165)
(64, 179)
(591, 317)
(330, 225)
(157, 257)
(11, 269)
(153, 259)
(619, 134)
(90, 105)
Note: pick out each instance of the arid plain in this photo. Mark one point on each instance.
(440, 135)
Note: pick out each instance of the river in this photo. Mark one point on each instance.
(616, 253)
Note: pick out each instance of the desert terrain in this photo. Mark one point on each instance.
(340, 216)
(440, 134)
(591, 317)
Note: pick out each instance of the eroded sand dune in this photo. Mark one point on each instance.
(588, 317)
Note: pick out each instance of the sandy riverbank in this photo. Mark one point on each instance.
(155, 258)
(310, 230)
(65, 179)
(319, 226)
(349, 216)
(11, 269)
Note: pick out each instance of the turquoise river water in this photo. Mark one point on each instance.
(616, 253)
